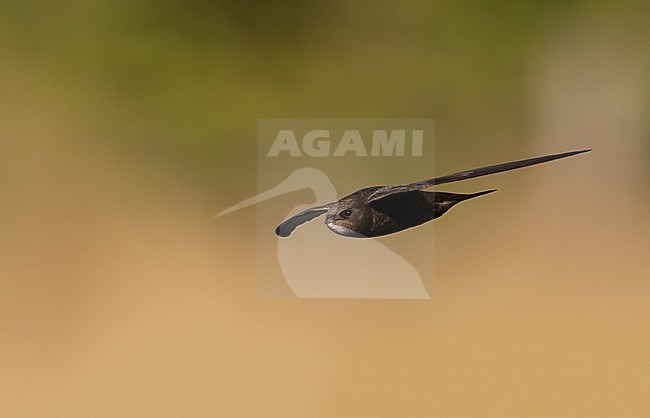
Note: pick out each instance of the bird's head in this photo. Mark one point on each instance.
(350, 217)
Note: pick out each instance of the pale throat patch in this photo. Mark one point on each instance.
(341, 230)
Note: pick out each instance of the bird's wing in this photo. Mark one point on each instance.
(464, 175)
(286, 228)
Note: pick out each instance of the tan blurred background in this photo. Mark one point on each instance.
(125, 126)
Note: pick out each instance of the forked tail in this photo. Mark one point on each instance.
(461, 197)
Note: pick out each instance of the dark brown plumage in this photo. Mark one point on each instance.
(382, 210)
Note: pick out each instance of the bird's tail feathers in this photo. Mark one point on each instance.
(461, 197)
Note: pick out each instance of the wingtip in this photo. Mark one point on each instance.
(582, 151)
(567, 154)
(280, 233)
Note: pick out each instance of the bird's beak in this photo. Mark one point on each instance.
(269, 194)
(302, 178)
(291, 184)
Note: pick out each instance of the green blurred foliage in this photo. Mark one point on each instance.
(187, 80)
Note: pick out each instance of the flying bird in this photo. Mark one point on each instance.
(378, 272)
(383, 210)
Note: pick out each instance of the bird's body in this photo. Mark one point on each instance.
(383, 210)
(393, 214)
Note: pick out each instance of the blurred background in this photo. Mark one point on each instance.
(126, 126)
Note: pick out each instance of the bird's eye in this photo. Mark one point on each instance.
(346, 213)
